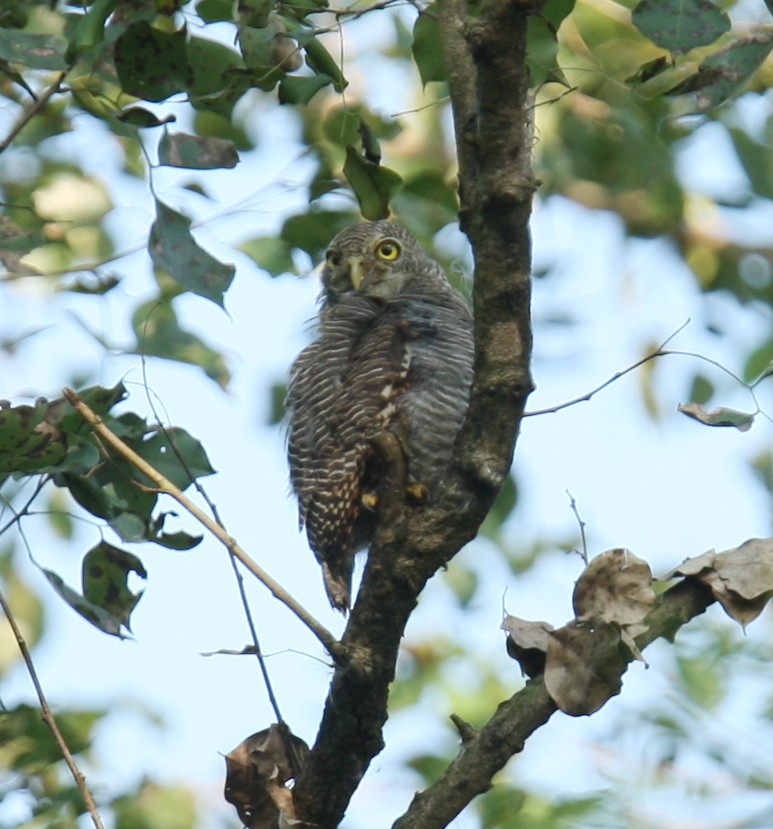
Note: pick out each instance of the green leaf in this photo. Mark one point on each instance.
(32, 50)
(270, 253)
(196, 152)
(98, 398)
(720, 416)
(29, 441)
(427, 47)
(298, 9)
(255, 46)
(215, 11)
(702, 390)
(680, 25)
(143, 118)
(647, 71)
(756, 160)
(90, 29)
(254, 13)
(177, 541)
(300, 90)
(313, 231)
(321, 61)
(159, 334)
(173, 248)
(504, 504)
(729, 69)
(211, 86)
(554, 11)
(703, 683)
(152, 64)
(343, 125)
(106, 570)
(542, 52)
(177, 455)
(373, 184)
(96, 615)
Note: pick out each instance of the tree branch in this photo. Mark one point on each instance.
(49, 719)
(485, 752)
(165, 485)
(33, 109)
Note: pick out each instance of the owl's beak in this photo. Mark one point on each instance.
(356, 271)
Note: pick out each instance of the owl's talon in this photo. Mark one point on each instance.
(417, 494)
(370, 500)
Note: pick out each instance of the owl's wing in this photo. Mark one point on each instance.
(439, 348)
(327, 452)
(316, 379)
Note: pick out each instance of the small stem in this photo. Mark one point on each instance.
(32, 110)
(49, 720)
(166, 486)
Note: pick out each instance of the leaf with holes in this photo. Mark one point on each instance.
(173, 248)
(176, 455)
(106, 570)
(729, 69)
(152, 64)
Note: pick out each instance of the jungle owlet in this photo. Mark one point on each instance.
(393, 351)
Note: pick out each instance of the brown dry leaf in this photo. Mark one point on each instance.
(584, 665)
(256, 773)
(527, 643)
(616, 586)
(741, 579)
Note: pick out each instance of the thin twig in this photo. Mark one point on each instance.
(581, 523)
(290, 748)
(166, 486)
(19, 514)
(50, 720)
(658, 352)
(32, 110)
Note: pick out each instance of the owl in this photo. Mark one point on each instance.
(393, 352)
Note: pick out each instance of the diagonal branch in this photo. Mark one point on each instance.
(486, 751)
(165, 485)
(49, 719)
(33, 109)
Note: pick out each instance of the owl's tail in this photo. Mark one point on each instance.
(338, 583)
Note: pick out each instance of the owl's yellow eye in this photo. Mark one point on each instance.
(333, 258)
(388, 250)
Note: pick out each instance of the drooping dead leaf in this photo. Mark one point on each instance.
(527, 643)
(256, 773)
(617, 587)
(584, 664)
(740, 579)
(720, 416)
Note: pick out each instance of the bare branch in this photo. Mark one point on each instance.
(660, 351)
(50, 720)
(166, 486)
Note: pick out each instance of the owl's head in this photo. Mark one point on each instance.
(372, 258)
